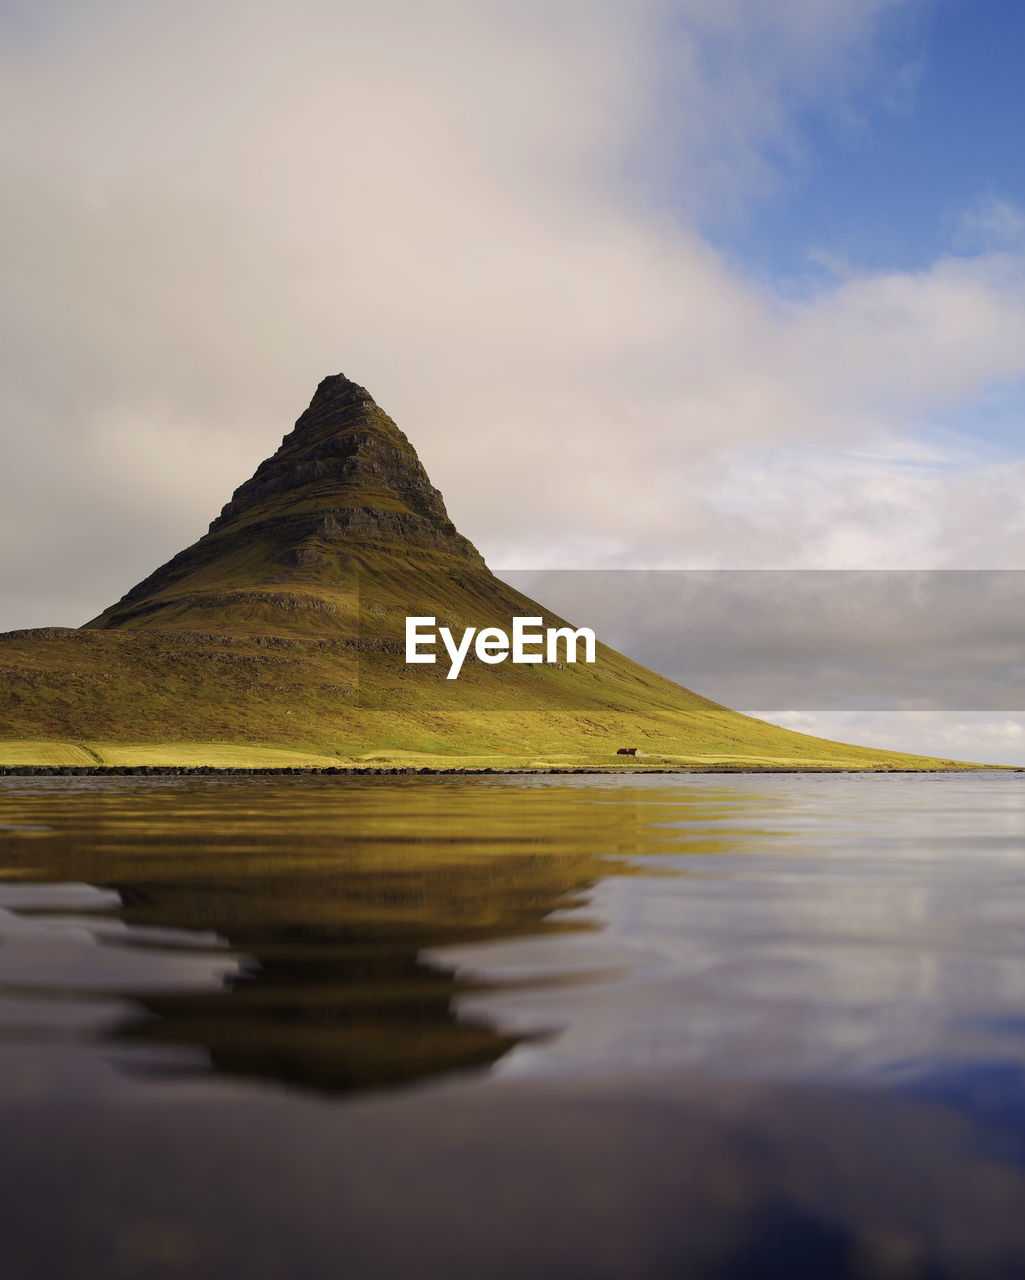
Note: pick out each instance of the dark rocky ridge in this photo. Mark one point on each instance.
(344, 438)
(344, 489)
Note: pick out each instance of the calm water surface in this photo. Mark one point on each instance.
(513, 1027)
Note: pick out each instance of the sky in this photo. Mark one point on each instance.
(687, 284)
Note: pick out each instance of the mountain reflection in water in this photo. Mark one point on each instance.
(743, 1028)
(329, 895)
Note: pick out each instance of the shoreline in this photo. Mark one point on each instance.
(173, 771)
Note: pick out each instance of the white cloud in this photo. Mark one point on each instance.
(906, 507)
(465, 206)
(991, 220)
(976, 736)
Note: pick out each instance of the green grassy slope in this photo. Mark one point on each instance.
(167, 696)
(281, 631)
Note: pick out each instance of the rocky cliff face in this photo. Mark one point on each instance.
(349, 467)
(345, 493)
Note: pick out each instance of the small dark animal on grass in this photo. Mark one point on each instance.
(627, 751)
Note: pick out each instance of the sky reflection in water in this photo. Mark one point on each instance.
(600, 1027)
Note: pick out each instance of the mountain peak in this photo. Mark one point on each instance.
(343, 450)
(338, 383)
(337, 395)
(344, 491)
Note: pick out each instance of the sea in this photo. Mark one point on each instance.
(741, 1027)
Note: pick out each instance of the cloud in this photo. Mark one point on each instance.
(811, 640)
(989, 221)
(980, 737)
(491, 215)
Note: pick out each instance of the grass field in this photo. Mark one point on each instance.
(171, 697)
(227, 755)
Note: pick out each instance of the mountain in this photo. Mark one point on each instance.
(278, 638)
(344, 495)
